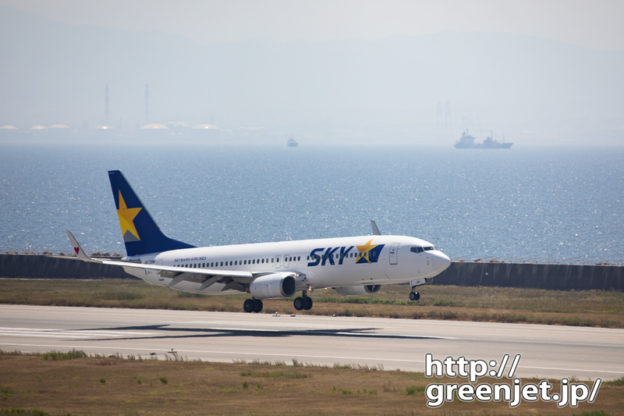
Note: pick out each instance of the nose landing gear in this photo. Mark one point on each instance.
(414, 295)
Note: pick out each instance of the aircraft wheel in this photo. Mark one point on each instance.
(414, 296)
(257, 305)
(307, 303)
(249, 305)
(298, 303)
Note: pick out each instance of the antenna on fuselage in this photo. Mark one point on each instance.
(375, 228)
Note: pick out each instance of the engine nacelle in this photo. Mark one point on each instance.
(274, 285)
(357, 290)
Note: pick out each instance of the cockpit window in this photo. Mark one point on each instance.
(418, 249)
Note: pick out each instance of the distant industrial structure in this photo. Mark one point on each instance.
(147, 104)
(106, 107)
(444, 117)
(104, 129)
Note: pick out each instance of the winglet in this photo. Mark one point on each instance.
(375, 229)
(77, 249)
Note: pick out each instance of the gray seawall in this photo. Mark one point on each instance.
(543, 276)
(55, 267)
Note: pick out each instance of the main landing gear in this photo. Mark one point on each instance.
(252, 305)
(414, 295)
(303, 302)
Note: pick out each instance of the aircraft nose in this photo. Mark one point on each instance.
(441, 261)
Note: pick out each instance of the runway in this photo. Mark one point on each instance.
(546, 351)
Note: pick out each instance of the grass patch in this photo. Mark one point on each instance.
(70, 355)
(273, 374)
(22, 412)
(618, 382)
(75, 387)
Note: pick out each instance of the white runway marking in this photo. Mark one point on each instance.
(63, 333)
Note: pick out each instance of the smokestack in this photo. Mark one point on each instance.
(106, 107)
(146, 103)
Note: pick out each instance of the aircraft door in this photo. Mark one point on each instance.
(393, 254)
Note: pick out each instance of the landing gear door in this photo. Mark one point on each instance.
(393, 254)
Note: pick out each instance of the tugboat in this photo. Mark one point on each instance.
(468, 142)
(292, 143)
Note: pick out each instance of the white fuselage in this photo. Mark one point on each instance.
(321, 263)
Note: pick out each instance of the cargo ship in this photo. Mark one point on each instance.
(468, 141)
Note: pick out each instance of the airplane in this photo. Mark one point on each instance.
(350, 265)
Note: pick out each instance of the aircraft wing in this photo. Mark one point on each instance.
(173, 271)
(233, 279)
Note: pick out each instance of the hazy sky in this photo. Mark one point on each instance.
(540, 71)
(595, 24)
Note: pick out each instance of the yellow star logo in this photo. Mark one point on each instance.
(365, 251)
(126, 218)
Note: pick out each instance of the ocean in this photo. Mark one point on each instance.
(539, 205)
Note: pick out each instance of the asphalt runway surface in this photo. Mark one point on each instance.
(546, 351)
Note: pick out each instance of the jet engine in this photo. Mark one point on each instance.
(274, 285)
(357, 290)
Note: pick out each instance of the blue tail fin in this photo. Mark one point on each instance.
(140, 233)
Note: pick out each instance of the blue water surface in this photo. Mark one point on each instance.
(559, 205)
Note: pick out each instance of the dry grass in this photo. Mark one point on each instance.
(491, 304)
(113, 386)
